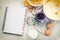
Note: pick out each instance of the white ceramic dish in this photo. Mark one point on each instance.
(33, 33)
(51, 11)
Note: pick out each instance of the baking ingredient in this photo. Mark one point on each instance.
(35, 2)
(25, 3)
(30, 8)
(56, 13)
(48, 32)
(47, 1)
(40, 16)
(49, 25)
(57, 3)
(33, 33)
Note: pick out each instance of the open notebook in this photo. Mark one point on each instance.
(14, 20)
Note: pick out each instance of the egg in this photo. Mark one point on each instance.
(48, 32)
(47, 1)
(49, 25)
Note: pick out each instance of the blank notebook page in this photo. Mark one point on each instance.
(14, 20)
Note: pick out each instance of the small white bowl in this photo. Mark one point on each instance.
(33, 33)
(33, 4)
